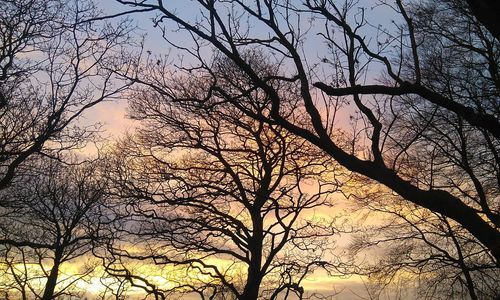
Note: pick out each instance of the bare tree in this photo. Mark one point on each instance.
(421, 251)
(433, 57)
(53, 217)
(231, 201)
(55, 64)
(440, 150)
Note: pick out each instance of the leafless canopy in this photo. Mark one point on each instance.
(54, 65)
(231, 201)
(421, 91)
(52, 217)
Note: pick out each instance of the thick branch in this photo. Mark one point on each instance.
(481, 120)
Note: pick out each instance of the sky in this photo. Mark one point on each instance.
(113, 115)
(410, 162)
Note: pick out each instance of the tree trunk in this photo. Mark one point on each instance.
(254, 277)
(252, 287)
(50, 286)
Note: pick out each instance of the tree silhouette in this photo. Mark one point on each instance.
(55, 64)
(229, 200)
(422, 251)
(433, 57)
(49, 218)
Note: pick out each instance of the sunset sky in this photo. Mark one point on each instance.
(330, 149)
(113, 116)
